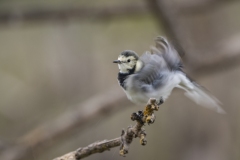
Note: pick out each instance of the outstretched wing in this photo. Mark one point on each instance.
(157, 64)
(168, 52)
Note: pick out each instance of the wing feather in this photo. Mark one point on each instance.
(150, 77)
(169, 53)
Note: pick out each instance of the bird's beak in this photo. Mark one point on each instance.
(117, 61)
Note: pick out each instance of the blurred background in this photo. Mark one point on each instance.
(59, 89)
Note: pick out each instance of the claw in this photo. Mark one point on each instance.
(150, 119)
(161, 101)
(153, 103)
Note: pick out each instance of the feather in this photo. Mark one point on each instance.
(169, 54)
(200, 95)
(156, 73)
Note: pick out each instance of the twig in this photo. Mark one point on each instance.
(96, 147)
(141, 117)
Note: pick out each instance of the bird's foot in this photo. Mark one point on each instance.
(161, 101)
(152, 105)
(147, 115)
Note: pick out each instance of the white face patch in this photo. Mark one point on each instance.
(127, 63)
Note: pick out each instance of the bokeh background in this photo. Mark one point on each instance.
(59, 89)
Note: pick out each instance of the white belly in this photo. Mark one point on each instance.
(163, 92)
(142, 98)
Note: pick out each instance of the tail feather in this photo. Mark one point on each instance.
(200, 95)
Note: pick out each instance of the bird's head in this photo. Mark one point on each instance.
(127, 61)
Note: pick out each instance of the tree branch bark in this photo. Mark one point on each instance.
(62, 14)
(124, 140)
(93, 148)
(198, 7)
(75, 116)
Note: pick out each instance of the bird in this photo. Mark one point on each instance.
(156, 73)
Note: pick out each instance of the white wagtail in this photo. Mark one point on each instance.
(155, 74)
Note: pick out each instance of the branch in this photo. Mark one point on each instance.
(216, 65)
(199, 7)
(167, 17)
(97, 105)
(101, 105)
(96, 147)
(228, 56)
(74, 117)
(141, 117)
(62, 14)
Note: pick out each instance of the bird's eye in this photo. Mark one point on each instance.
(128, 60)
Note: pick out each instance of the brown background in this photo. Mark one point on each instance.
(52, 59)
